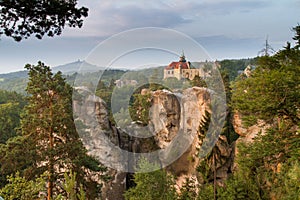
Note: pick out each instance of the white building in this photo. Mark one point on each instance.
(182, 69)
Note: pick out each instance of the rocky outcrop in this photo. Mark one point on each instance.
(101, 138)
(248, 133)
(181, 113)
(175, 121)
(185, 113)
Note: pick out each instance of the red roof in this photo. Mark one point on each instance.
(176, 65)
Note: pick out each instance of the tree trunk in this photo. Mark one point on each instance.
(215, 175)
(51, 159)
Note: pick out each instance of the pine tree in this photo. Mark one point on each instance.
(48, 123)
(296, 29)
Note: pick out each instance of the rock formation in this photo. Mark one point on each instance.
(247, 134)
(175, 119)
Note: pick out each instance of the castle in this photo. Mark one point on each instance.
(182, 69)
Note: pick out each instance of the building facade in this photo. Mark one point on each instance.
(182, 69)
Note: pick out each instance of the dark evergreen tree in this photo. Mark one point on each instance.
(296, 29)
(20, 19)
(47, 125)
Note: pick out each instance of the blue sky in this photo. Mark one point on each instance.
(225, 29)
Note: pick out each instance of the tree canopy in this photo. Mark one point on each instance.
(270, 164)
(11, 105)
(20, 19)
(272, 90)
(49, 141)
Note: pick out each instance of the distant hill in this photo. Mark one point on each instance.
(77, 66)
(18, 74)
(14, 81)
(17, 81)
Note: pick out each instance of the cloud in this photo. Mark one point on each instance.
(216, 7)
(110, 17)
(106, 18)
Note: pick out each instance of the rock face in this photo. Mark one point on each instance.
(175, 121)
(174, 114)
(247, 134)
(185, 113)
(98, 135)
(101, 138)
(165, 117)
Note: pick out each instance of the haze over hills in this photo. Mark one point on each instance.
(17, 81)
(68, 68)
(77, 66)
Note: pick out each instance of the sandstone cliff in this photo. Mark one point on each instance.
(246, 134)
(175, 120)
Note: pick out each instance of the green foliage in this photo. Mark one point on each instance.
(296, 29)
(173, 83)
(156, 185)
(70, 186)
(239, 188)
(272, 91)
(233, 67)
(270, 162)
(198, 81)
(139, 111)
(188, 190)
(7, 96)
(21, 19)
(11, 105)
(206, 192)
(22, 189)
(290, 187)
(18, 154)
(268, 168)
(15, 85)
(121, 97)
(49, 136)
(228, 129)
(140, 76)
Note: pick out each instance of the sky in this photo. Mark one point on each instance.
(225, 29)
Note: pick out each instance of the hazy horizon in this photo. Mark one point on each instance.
(226, 29)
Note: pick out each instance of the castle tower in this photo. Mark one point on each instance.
(182, 58)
